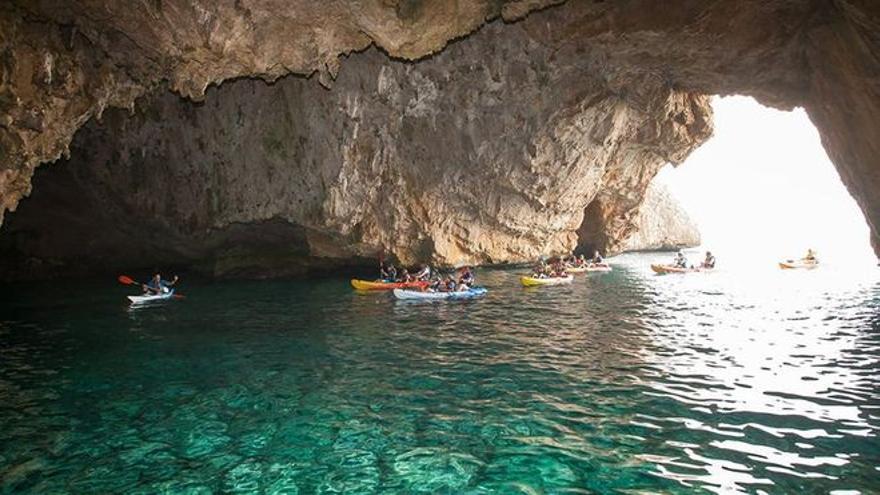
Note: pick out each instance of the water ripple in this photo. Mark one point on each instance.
(621, 382)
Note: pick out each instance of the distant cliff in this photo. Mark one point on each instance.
(662, 224)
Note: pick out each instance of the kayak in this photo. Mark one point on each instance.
(599, 268)
(589, 268)
(792, 264)
(383, 285)
(436, 296)
(153, 298)
(663, 269)
(534, 282)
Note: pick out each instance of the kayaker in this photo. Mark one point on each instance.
(680, 261)
(450, 284)
(388, 272)
(424, 273)
(597, 258)
(538, 271)
(436, 285)
(709, 262)
(810, 257)
(404, 276)
(582, 261)
(466, 277)
(158, 286)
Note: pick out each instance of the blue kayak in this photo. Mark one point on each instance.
(432, 296)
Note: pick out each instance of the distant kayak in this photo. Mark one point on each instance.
(798, 264)
(428, 296)
(664, 269)
(151, 298)
(383, 285)
(603, 267)
(534, 282)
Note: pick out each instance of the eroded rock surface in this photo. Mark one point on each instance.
(492, 148)
(662, 224)
(485, 153)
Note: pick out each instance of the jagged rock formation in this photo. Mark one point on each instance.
(407, 158)
(561, 117)
(661, 224)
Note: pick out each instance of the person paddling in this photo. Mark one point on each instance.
(709, 262)
(424, 273)
(388, 272)
(405, 276)
(811, 256)
(597, 258)
(680, 261)
(467, 277)
(158, 286)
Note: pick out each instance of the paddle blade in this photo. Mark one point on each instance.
(179, 296)
(125, 280)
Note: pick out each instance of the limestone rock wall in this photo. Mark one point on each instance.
(661, 224)
(486, 153)
(556, 112)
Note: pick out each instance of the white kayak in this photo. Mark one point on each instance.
(152, 298)
(413, 295)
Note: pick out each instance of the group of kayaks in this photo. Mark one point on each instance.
(416, 290)
(419, 290)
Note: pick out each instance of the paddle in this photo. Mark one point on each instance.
(126, 280)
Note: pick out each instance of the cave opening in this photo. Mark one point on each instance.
(763, 187)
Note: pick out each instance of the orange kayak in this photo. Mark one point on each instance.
(383, 285)
(664, 269)
(793, 265)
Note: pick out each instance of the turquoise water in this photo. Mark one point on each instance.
(623, 382)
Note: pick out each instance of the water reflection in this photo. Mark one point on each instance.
(624, 381)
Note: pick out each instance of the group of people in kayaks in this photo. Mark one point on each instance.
(680, 264)
(460, 280)
(563, 266)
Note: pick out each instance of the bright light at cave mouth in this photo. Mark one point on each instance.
(764, 188)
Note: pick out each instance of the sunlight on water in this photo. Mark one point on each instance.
(726, 381)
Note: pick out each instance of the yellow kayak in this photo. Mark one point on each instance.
(534, 282)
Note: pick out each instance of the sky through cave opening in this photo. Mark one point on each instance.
(763, 188)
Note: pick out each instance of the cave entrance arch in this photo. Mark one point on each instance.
(763, 187)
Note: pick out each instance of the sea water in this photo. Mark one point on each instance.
(755, 381)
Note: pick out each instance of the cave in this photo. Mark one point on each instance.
(248, 142)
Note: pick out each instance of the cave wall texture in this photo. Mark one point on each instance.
(449, 131)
